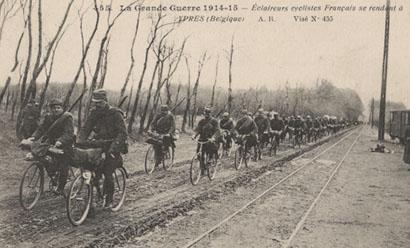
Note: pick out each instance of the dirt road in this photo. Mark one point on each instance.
(365, 204)
(164, 210)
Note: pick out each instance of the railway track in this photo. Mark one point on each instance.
(287, 242)
(166, 195)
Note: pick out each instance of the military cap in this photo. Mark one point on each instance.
(260, 110)
(226, 114)
(55, 102)
(207, 110)
(99, 95)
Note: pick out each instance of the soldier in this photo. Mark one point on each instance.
(57, 128)
(109, 127)
(227, 126)
(247, 127)
(277, 126)
(207, 130)
(263, 124)
(309, 127)
(30, 119)
(164, 124)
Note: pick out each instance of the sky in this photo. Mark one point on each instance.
(347, 51)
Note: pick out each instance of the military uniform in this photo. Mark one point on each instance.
(58, 128)
(263, 124)
(30, 119)
(247, 126)
(226, 124)
(163, 123)
(108, 124)
(207, 128)
(277, 124)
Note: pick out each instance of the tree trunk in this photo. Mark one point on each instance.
(7, 100)
(84, 56)
(141, 80)
(3, 91)
(124, 87)
(188, 99)
(144, 112)
(213, 87)
(230, 78)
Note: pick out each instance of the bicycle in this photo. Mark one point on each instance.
(242, 153)
(203, 161)
(33, 181)
(297, 141)
(81, 192)
(166, 156)
(264, 142)
(275, 137)
(225, 148)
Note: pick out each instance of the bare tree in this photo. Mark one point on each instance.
(48, 74)
(127, 78)
(172, 67)
(201, 63)
(8, 99)
(188, 98)
(104, 40)
(38, 67)
(147, 102)
(213, 87)
(151, 40)
(8, 9)
(4, 90)
(104, 64)
(85, 50)
(30, 44)
(230, 59)
(177, 94)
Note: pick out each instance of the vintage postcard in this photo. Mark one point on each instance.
(206, 123)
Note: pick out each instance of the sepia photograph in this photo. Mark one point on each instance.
(206, 123)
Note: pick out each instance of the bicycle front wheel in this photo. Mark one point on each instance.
(150, 160)
(211, 167)
(195, 170)
(239, 158)
(78, 201)
(31, 186)
(120, 179)
(168, 158)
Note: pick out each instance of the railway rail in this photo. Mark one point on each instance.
(287, 242)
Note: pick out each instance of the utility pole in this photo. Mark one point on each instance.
(382, 109)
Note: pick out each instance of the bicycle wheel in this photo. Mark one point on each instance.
(168, 158)
(211, 167)
(273, 147)
(238, 158)
(246, 156)
(120, 179)
(78, 201)
(150, 160)
(31, 186)
(195, 170)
